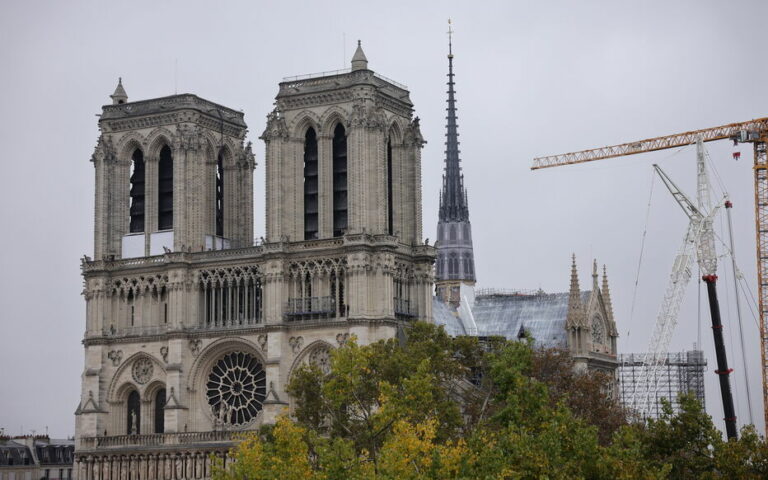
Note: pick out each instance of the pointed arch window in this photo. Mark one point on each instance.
(160, 411)
(165, 190)
(137, 192)
(310, 185)
(134, 413)
(390, 200)
(220, 195)
(339, 181)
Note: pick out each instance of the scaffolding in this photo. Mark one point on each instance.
(681, 372)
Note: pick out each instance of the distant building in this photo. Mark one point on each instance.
(36, 457)
(682, 372)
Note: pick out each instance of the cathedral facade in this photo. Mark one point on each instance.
(192, 328)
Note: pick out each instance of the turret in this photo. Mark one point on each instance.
(119, 96)
(359, 62)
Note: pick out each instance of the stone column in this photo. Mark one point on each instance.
(325, 185)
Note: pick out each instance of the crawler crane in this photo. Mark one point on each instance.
(755, 132)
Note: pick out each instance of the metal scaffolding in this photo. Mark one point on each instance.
(681, 372)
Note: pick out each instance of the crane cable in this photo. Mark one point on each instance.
(642, 249)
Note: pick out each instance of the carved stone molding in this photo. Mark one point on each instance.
(296, 343)
(195, 345)
(116, 356)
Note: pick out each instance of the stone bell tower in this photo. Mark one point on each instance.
(343, 156)
(171, 174)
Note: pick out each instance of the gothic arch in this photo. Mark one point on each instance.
(303, 122)
(395, 133)
(156, 139)
(117, 385)
(128, 143)
(333, 116)
(121, 393)
(152, 388)
(226, 151)
(306, 352)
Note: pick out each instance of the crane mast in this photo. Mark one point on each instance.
(753, 131)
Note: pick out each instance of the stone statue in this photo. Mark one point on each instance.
(133, 423)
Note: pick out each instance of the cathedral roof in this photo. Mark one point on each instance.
(541, 315)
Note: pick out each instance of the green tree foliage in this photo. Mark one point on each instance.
(436, 407)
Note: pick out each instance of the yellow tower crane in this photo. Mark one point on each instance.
(753, 131)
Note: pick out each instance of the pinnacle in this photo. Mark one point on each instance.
(359, 61)
(119, 96)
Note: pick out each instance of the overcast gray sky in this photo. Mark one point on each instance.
(533, 78)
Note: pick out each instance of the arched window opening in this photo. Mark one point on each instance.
(134, 413)
(339, 181)
(390, 200)
(337, 293)
(452, 232)
(160, 411)
(165, 190)
(220, 195)
(310, 185)
(137, 192)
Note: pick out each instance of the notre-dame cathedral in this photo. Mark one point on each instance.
(192, 328)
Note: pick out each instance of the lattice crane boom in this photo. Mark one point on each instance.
(753, 131)
(750, 131)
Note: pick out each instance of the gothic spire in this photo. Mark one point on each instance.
(575, 315)
(453, 207)
(607, 301)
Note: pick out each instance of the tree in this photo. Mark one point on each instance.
(436, 407)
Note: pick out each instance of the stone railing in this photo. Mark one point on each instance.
(403, 308)
(131, 331)
(310, 306)
(164, 104)
(160, 439)
(234, 324)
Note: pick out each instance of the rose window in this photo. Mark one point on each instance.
(321, 358)
(142, 370)
(236, 388)
(597, 330)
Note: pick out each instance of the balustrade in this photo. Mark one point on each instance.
(403, 308)
(310, 307)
